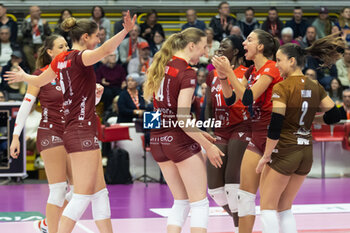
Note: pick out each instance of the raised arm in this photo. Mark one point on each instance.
(91, 57)
(38, 81)
(24, 110)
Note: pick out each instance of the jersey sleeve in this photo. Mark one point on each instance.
(79, 59)
(323, 93)
(272, 71)
(189, 79)
(37, 72)
(279, 93)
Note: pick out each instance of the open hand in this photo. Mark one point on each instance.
(214, 155)
(128, 22)
(14, 76)
(99, 90)
(222, 64)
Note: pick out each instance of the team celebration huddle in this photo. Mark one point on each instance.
(260, 104)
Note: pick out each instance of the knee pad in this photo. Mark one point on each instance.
(179, 212)
(57, 193)
(246, 203)
(70, 193)
(287, 222)
(76, 207)
(100, 205)
(232, 196)
(269, 221)
(218, 195)
(200, 213)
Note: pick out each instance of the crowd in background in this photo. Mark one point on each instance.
(123, 73)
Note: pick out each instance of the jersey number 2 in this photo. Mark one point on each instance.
(304, 108)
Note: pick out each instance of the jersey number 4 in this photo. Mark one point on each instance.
(160, 94)
(304, 108)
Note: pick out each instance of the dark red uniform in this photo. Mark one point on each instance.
(173, 143)
(51, 128)
(233, 118)
(78, 83)
(262, 107)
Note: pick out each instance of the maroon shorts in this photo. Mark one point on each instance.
(240, 131)
(172, 145)
(48, 138)
(80, 140)
(259, 135)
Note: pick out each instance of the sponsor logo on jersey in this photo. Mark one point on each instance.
(82, 108)
(240, 134)
(56, 139)
(303, 141)
(275, 95)
(87, 143)
(166, 139)
(194, 146)
(45, 142)
(267, 70)
(63, 65)
(58, 88)
(193, 81)
(306, 93)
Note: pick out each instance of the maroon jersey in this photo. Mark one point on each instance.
(178, 75)
(51, 101)
(263, 106)
(78, 83)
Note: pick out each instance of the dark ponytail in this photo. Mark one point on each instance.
(270, 43)
(328, 49)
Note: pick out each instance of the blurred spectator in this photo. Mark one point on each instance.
(118, 26)
(4, 20)
(102, 34)
(131, 103)
(324, 74)
(65, 13)
(343, 68)
(311, 74)
(335, 91)
(192, 20)
(150, 26)
(287, 36)
(34, 31)
(201, 77)
(235, 30)
(344, 23)
(248, 23)
(309, 38)
(6, 46)
(336, 29)
(203, 90)
(345, 109)
(98, 15)
(3, 96)
(323, 23)
(273, 24)
(16, 90)
(297, 23)
(223, 22)
(112, 76)
(111, 114)
(128, 47)
(140, 64)
(157, 43)
(212, 45)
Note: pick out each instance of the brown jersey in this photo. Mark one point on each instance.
(51, 101)
(302, 97)
(78, 83)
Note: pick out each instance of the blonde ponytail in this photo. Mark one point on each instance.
(174, 43)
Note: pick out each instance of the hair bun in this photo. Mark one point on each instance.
(68, 24)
